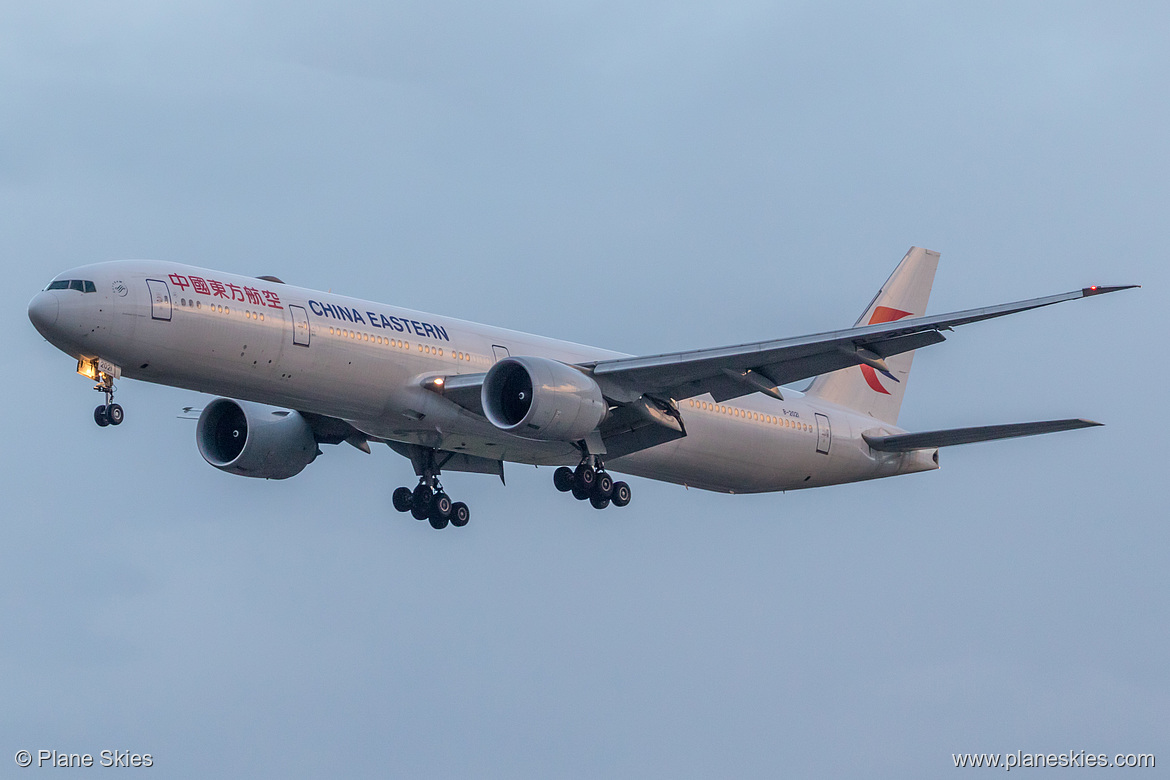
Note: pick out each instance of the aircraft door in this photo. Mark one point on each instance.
(300, 320)
(500, 352)
(824, 435)
(160, 299)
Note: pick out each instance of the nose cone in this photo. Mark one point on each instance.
(43, 311)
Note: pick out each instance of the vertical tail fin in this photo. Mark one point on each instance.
(862, 388)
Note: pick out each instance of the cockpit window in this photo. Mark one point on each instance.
(81, 285)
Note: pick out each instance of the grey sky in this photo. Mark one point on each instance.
(642, 178)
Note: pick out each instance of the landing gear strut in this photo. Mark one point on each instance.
(428, 501)
(591, 482)
(108, 413)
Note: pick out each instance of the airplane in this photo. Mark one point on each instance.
(295, 368)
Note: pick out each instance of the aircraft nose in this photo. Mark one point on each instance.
(43, 311)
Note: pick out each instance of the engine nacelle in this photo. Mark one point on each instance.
(253, 440)
(538, 398)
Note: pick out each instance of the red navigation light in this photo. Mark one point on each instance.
(1098, 289)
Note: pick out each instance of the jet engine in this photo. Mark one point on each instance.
(254, 440)
(538, 398)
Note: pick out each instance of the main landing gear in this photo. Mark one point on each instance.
(429, 502)
(108, 413)
(590, 481)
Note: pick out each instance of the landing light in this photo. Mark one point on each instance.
(98, 369)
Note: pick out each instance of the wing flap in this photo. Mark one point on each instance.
(928, 440)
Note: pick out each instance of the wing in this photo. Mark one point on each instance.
(730, 372)
(644, 390)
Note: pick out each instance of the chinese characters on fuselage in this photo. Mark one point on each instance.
(231, 292)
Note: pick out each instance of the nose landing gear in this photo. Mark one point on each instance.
(591, 482)
(108, 413)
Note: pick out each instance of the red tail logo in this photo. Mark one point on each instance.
(881, 314)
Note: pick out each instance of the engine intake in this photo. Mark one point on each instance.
(253, 440)
(538, 398)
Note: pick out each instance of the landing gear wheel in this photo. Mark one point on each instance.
(420, 502)
(580, 494)
(563, 479)
(460, 514)
(598, 503)
(621, 494)
(100, 417)
(421, 498)
(402, 499)
(439, 522)
(441, 505)
(584, 477)
(603, 486)
(115, 414)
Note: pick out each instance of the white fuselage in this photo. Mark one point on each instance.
(364, 362)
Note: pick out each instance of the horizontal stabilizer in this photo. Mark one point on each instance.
(926, 440)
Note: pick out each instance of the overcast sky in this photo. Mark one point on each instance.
(642, 177)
